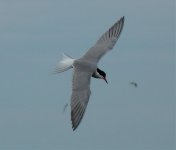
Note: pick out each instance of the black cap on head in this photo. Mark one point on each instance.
(101, 72)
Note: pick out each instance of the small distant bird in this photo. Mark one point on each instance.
(134, 84)
(86, 67)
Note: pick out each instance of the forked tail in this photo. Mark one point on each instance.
(65, 64)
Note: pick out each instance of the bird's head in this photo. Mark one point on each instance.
(101, 75)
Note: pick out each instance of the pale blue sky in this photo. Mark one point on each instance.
(33, 35)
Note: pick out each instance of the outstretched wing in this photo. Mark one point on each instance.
(80, 95)
(105, 43)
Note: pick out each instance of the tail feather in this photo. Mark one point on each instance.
(65, 64)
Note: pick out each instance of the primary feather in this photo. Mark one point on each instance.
(80, 95)
(105, 43)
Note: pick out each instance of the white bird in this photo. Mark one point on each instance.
(86, 67)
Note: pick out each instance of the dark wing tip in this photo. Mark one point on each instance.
(74, 124)
(77, 115)
(123, 19)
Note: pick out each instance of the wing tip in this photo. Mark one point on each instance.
(122, 19)
(74, 125)
(76, 120)
(74, 128)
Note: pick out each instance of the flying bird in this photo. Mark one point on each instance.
(134, 84)
(86, 67)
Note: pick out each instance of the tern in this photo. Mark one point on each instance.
(86, 67)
